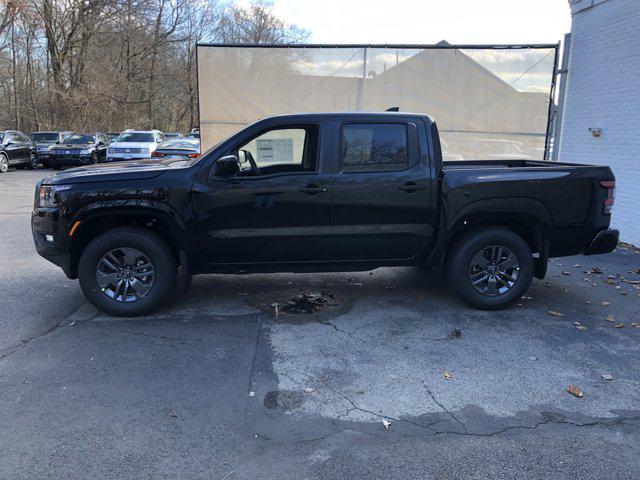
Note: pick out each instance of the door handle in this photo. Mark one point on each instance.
(313, 189)
(411, 187)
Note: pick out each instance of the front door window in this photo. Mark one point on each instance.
(285, 150)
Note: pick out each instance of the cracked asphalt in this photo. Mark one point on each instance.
(215, 386)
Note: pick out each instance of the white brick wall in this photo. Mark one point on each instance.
(603, 91)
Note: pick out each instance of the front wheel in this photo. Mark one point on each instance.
(33, 162)
(4, 164)
(490, 269)
(127, 272)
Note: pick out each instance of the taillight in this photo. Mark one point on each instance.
(193, 155)
(155, 153)
(610, 185)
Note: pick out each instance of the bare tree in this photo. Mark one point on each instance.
(115, 64)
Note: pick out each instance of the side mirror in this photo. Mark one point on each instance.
(226, 166)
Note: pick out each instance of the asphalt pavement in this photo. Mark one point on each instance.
(381, 374)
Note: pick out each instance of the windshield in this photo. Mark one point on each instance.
(135, 137)
(78, 138)
(44, 137)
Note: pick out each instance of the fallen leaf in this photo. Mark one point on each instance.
(573, 390)
(446, 375)
(72, 323)
(252, 393)
(618, 325)
(606, 304)
(607, 376)
(632, 282)
(547, 284)
(577, 265)
(596, 270)
(172, 413)
(553, 313)
(386, 423)
(634, 324)
(564, 272)
(611, 318)
(581, 327)
(308, 390)
(610, 281)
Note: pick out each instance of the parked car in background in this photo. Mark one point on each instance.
(195, 132)
(179, 148)
(113, 136)
(44, 141)
(17, 149)
(134, 144)
(79, 149)
(173, 135)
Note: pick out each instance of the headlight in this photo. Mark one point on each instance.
(110, 150)
(85, 152)
(48, 193)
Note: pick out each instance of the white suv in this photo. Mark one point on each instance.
(134, 144)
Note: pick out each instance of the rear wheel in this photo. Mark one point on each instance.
(127, 272)
(4, 164)
(491, 269)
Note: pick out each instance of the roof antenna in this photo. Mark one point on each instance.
(393, 109)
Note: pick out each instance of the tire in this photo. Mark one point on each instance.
(4, 163)
(94, 158)
(498, 283)
(96, 262)
(33, 162)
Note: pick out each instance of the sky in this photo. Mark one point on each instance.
(428, 21)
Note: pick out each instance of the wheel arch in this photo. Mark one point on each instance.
(91, 223)
(528, 217)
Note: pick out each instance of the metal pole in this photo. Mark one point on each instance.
(564, 70)
(551, 115)
(363, 85)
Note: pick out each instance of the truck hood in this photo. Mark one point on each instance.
(133, 170)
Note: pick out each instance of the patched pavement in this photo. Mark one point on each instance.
(217, 386)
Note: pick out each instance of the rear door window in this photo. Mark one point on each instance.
(369, 147)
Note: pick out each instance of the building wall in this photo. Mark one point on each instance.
(603, 91)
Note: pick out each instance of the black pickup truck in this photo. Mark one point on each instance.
(319, 192)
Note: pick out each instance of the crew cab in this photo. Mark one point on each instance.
(134, 144)
(319, 192)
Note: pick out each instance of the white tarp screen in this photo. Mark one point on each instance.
(488, 103)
